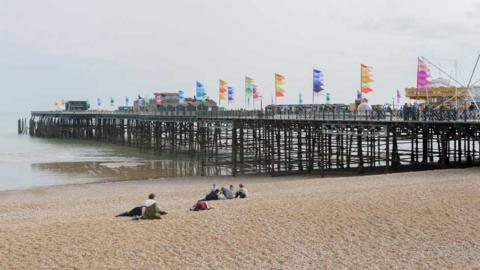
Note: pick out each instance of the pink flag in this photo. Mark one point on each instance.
(256, 92)
(423, 75)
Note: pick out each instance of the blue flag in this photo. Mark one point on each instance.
(318, 84)
(99, 102)
(127, 100)
(300, 98)
(200, 91)
(359, 94)
(230, 92)
(181, 96)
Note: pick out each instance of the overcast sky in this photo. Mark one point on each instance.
(63, 49)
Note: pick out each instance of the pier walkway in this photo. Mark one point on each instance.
(276, 143)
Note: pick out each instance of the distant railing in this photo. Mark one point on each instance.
(337, 115)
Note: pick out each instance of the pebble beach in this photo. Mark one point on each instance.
(414, 220)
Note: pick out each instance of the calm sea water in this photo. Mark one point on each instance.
(29, 162)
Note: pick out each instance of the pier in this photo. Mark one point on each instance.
(274, 143)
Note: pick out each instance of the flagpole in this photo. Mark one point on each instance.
(418, 61)
(313, 96)
(361, 76)
(275, 90)
(313, 88)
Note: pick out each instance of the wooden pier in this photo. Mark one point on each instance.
(257, 142)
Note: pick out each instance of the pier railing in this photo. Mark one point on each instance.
(332, 115)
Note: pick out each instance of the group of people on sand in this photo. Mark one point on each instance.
(150, 209)
(222, 193)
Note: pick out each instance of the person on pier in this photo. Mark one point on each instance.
(364, 106)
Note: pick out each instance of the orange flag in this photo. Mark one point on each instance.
(222, 90)
(365, 78)
(279, 81)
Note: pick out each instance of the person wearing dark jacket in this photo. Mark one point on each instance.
(212, 196)
(242, 192)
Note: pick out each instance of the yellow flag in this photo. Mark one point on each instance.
(222, 90)
(366, 77)
(279, 81)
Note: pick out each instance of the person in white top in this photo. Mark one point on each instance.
(150, 208)
(364, 106)
(242, 192)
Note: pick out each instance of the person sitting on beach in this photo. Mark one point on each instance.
(228, 193)
(213, 195)
(151, 210)
(242, 192)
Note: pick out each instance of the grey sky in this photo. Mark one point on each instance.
(51, 50)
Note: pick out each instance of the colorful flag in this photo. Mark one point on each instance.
(200, 91)
(222, 92)
(279, 82)
(317, 81)
(158, 98)
(423, 75)
(248, 86)
(366, 78)
(398, 96)
(230, 91)
(256, 92)
(181, 96)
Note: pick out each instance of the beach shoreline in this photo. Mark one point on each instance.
(421, 220)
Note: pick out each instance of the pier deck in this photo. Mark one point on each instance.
(257, 142)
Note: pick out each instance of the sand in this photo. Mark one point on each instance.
(421, 220)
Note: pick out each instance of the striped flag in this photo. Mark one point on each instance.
(230, 91)
(222, 90)
(317, 81)
(366, 78)
(423, 75)
(279, 82)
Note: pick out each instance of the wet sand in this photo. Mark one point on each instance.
(421, 220)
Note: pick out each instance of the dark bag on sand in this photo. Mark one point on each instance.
(137, 211)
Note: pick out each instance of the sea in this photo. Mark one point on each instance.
(27, 162)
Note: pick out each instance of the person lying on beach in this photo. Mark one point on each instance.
(136, 211)
(213, 195)
(139, 210)
(228, 193)
(200, 205)
(151, 210)
(242, 192)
